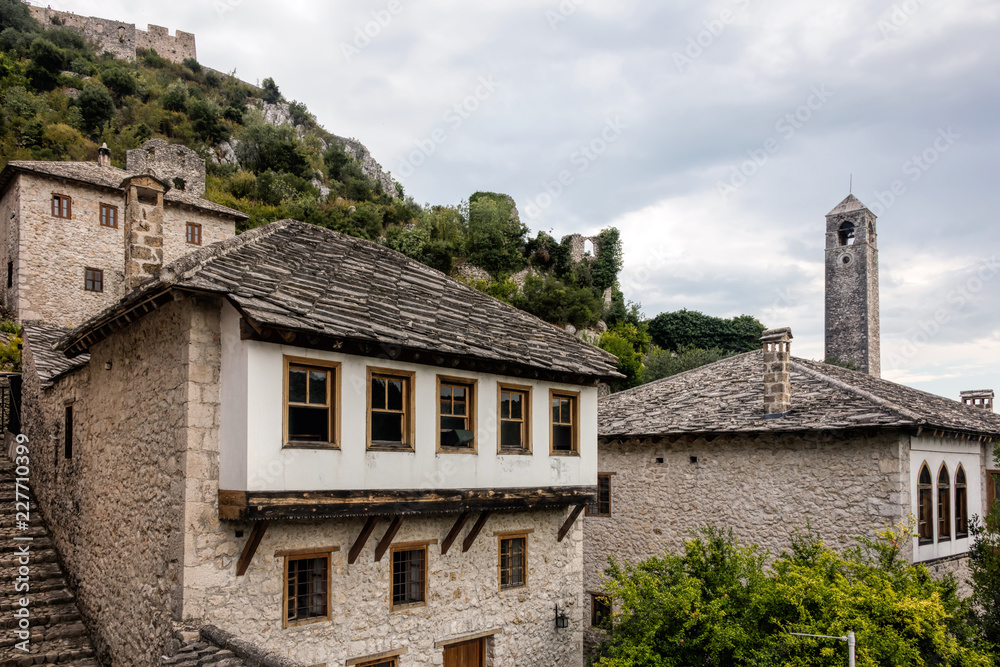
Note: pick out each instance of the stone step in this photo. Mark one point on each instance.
(47, 613)
(56, 652)
(42, 542)
(11, 561)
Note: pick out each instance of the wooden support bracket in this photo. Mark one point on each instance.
(256, 535)
(455, 530)
(476, 529)
(359, 543)
(570, 520)
(386, 540)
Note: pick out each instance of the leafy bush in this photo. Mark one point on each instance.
(120, 82)
(96, 106)
(175, 98)
(10, 354)
(207, 121)
(984, 566)
(560, 303)
(496, 236)
(716, 604)
(192, 65)
(684, 328)
(608, 263)
(662, 363)
(270, 92)
(629, 343)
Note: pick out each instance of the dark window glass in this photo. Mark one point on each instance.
(68, 433)
(512, 562)
(93, 280)
(600, 610)
(387, 427)
(944, 505)
(512, 422)
(388, 416)
(925, 507)
(307, 589)
(455, 415)
(10, 274)
(961, 505)
(310, 405)
(562, 423)
(408, 576)
(602, 504)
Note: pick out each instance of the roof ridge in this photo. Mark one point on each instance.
(867, 395)
(681, 374)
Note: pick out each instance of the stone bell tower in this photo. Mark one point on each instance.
(852, 311)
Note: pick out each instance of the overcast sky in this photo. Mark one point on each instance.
(715, 135)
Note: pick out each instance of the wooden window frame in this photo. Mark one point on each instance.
(308, 555)
(97, 278)
(574, 397)
(526, 450)
(418, 546)
(193, 226)
(961, 505)
(597, 513)
(109, 212)
(333, 386)
(594, 597)
(473, 407)
(506, 537)
(57, 211)
(388, 657)
(943, 507)
(991, 489)
(409, 411)
(929, 520)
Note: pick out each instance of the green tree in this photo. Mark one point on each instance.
(207, 122)
(96, 106)
(15, 15)
(984, 566)
(269, 91)
(175, 98)
(496, 236)
(629, 343)
(608, 263)
(120, 81)
(684, 328)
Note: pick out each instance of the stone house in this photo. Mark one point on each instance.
(764, 442)
(322, 446)
(64, 225)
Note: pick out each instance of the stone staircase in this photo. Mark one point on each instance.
(58, 635)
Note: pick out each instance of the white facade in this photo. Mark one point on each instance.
(938, 452)
(252, 457)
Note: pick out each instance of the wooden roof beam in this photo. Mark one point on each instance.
(470, 539)
(250, 548)
(460, 522)
(570, 520)
(359, 543)
(387, 539)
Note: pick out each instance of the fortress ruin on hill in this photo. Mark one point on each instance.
(122, 39)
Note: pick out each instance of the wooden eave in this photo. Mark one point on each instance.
(250, 330)
(305, 505)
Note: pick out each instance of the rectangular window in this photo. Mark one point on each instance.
(194, 233)
(600, 610)
(307, 589)
(311, 402)
(602, 504)
(10, 274)
(456, 414)
(390, 408)
(565, 433)
(62, 207)
(515, 419)
(68, 433)
(513, 562)
(93, 280)
(388, 662)
(109, 216)
(992, 488)
(409, 577)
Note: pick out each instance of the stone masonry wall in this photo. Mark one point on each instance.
(762, 489)
(10, 206)
(121, 39)
(116, 508)
(463, 591)
(51, 253)
(169, 162)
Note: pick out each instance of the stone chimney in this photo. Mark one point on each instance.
(143, 227)
(979, 398)
(104, 155)
(777, 372)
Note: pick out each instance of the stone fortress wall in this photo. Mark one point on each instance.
(122, 39)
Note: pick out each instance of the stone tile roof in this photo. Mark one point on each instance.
(728, 397)
(50, 364)
(301, 277)
(850, 203)
(111, 178)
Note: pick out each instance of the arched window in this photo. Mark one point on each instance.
(944, 504)
(846, 233)
(925, 506)
(961, 504)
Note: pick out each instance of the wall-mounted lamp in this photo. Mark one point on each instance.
(107, 365)
(562, 620)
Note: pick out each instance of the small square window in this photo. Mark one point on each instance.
(565, 422)
(456, 414)
(515, 419)
(307, 589)
(513, 562)
(390, 409)
(409, 577)
(62, 207)
(109, 216)
(93, 280)
(600, 610)
(311, 400)
(194, 233)
(602, 504)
